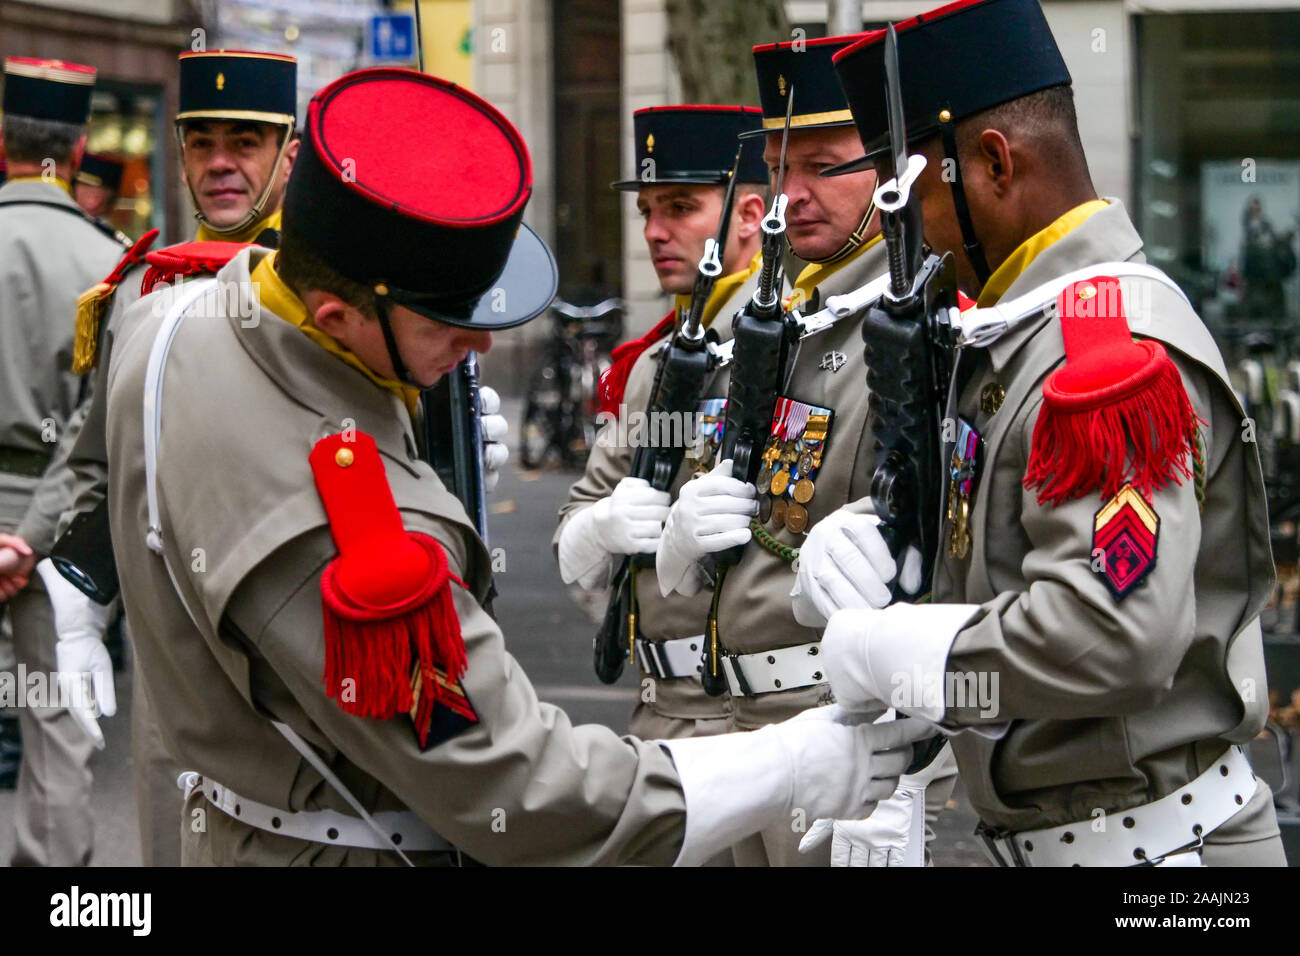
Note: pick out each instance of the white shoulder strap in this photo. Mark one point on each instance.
(153, 388)
(983, 327)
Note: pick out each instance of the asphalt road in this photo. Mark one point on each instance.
(546, 631)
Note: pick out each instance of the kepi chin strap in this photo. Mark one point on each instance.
(970, 242)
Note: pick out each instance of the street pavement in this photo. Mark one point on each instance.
(546, 631)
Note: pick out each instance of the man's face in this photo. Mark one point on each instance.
(430, 349)
(228, 164)
(95, 201)
(678, 221)
(822, 212)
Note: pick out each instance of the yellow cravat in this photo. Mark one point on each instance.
(723, 290)
(56, 181)
(1028, 251)
(276, 296)
(248, 235)
(815, 273)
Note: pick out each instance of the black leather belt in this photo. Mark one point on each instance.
(23, 461)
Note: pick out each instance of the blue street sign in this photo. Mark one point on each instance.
(392, 38)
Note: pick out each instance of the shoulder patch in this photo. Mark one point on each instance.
(187, 259)
(393, 643)
(93, 303)
(1124, 536)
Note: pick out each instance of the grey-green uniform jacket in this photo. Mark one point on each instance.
(754, 613)
(610, 461)
(1111, 704)
(247, 538)
(50, 253)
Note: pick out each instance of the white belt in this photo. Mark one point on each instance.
(786, 669)
(1145, 835)
(680, 657)
(405, 829)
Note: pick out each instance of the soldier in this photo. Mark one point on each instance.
(97, 185)
(771, 661)
(235, 127)
(1126, 685)
(49, 250)
(685, 155)
(254, 560)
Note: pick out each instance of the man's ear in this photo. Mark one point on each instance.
(747, 213)
(994, 162)
(331, 314)
(290, 156)
(78, 152)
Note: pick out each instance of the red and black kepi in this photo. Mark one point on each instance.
(804, 66)
(51, 90)
(945, 69)
(100, 170)
(694, 145)
(416, 187)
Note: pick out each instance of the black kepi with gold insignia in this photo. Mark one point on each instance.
(944, 59)
(694, 145)
(239, 86)
(52, 90)
(431, 219)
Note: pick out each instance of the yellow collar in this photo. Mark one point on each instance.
(275, 295)
(56, 181)
(248, 235)
(723, 290)
(1029, 250)
(815, 273)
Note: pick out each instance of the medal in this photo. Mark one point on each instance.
(796, 518)
(961, 486)
(779, 507)
(803, 491)
(780, 481)
(764, 509)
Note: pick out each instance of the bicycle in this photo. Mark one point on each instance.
(560, 406)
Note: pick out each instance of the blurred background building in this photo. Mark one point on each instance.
(1190, 110)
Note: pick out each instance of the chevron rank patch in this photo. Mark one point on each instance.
(1124, 536)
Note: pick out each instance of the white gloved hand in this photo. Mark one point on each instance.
(628, 521)
(84, 666)
(894, 833)
(738, 784)
(495, 427)
(711, 514)
(896, 656)
(845, 563)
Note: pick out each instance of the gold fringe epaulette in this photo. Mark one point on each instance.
(92, 306)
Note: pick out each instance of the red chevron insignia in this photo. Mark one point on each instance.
(1124, 536)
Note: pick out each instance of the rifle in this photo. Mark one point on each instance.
(684, 367)
(763, 333)
(910, 334)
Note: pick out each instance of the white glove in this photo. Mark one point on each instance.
(711, 514)
(628, 521)
(845, 563)
(821, 763)
(495, 451)
(895, 657)
(85, 670)
(894, 833)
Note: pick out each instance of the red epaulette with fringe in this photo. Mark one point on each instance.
(393, 642)
(187, 259)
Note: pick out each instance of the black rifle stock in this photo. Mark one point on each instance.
(909, 334)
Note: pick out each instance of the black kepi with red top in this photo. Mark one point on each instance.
(694, 145)
(944, 61)
(429, 218)
(48, 89)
